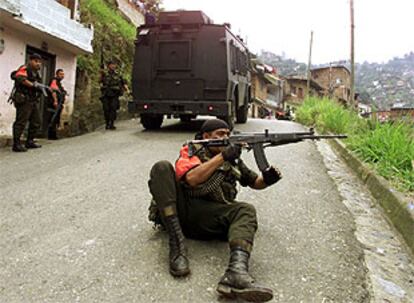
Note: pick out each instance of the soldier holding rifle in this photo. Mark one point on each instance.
(25, 99)
(56, 104)
(198, 199)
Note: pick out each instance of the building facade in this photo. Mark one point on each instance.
(295, 89)
(266, 90)
(336, 81)
(49, 28)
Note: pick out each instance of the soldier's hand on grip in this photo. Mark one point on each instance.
(231, 153)
(271, 175)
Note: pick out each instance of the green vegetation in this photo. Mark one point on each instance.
(388, 147)
(113, 36)
(113, 40)
(103, 12)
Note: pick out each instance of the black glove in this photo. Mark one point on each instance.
(231, 153)
(271, 176)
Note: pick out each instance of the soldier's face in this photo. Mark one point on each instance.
(61, 75)
(221, 133)
(36, 64)
(112, 66)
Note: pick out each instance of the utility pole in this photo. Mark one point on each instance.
(309, 66)
(352, 97)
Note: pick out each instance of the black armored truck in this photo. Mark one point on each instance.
(184, 66)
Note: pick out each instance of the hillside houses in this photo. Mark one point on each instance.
(336, 81)
(272, 92)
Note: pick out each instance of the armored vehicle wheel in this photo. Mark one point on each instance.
(152, 121)
(241, 114)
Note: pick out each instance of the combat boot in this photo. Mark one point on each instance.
(51, 134)
(179, 265)
(18, 147)
(31, 144)
(111, 125)
(237, 282)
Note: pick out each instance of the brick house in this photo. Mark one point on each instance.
(336, 81)
(49, 28)
(295, 90)
(266, 90)
(402, 112)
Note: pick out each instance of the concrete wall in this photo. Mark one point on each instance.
(131, 11)
(14, 56)
(259, 88)
(52, 18)
(12, 6)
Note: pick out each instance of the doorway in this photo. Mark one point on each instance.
(46, 72)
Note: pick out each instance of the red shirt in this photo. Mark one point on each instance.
(54, 86)
(185, 163)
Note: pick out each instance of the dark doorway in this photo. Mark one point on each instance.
(46, 72)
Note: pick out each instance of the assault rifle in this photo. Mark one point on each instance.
(43, 88)
(56, 112)
(259, 141)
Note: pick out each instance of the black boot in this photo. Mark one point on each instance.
(31, 144)
(111, 125)
(18, 147)
(179, 265)
(237, 282)
(51, 134)
(107, 125)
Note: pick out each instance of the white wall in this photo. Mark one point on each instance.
(14, 56)
(131, 11)
(52, 18)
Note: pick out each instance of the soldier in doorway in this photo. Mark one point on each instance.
(112, 87)
(57, 100)
(197, 199)
(28, 92)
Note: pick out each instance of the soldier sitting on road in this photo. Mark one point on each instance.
(197, 200)
(25, 99)
(112, 87)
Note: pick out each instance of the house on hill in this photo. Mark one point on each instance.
(51, 29)
(336, 81)
(266, 90)
(402, 112)
(295, 90)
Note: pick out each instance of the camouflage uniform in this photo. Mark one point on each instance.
(26, 101)
(112, 85)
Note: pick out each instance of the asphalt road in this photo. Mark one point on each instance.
(73, 224)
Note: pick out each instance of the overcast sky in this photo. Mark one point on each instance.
(384, 28)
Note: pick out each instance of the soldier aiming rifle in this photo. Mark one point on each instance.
(197, 199)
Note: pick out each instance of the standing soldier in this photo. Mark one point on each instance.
(112, 87)
(27, 95)
(198, 200)
(56, 106)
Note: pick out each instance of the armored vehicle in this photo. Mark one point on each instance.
(184, 66)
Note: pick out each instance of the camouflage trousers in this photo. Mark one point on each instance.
(199, 218)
